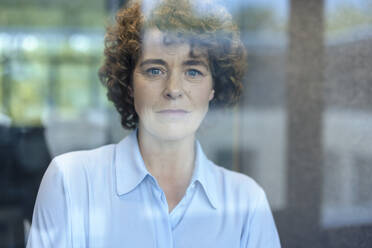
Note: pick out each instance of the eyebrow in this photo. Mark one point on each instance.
(185, 63)
(153, 61)
(195, 62)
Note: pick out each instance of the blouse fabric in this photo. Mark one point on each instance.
(107, 198)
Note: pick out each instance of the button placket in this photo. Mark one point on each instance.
(162, 223)
(178, 212)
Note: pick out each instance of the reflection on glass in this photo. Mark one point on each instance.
(347, 124)
(50, 97)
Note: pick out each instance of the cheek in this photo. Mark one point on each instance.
(201, 101)
(139, 96)
(140, 102)
(144, 98)
(203, 95)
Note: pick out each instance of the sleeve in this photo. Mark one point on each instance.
(50, 225)
(260, 230)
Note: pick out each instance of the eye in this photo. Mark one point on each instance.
(153, 72)
(193, 73)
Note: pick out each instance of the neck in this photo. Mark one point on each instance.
(168, 161)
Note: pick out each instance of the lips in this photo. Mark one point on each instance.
(173, 111)
(173, 114)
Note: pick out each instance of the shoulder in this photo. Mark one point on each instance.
(238, 188)
(85, 162)
(238, 182)
(85, 157)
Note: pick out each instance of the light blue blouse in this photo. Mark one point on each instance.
(106, 198)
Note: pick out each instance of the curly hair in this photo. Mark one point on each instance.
(202, 26)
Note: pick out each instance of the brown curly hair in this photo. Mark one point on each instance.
(210, 28)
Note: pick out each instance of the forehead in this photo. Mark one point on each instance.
(156, 43)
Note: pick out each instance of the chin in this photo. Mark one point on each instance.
(173, 131)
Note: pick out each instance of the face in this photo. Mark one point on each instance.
(171, 89)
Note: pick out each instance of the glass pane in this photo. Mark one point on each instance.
(347, 122)
(302, 128)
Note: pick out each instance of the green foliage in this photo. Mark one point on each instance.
(72, 75)
(348, 16)
(32, 77)
(77, 13)
(253, 18)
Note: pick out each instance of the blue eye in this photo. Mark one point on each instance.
(193, 73)
(153, 71)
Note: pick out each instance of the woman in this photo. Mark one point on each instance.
(156, 188)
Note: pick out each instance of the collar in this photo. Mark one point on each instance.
(205, 174)
(129, 165)
(131, 170)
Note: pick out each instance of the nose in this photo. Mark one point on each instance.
(173, 87)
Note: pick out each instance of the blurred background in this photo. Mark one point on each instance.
(303, 129)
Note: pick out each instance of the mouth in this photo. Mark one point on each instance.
(173, 111)
(173, 114)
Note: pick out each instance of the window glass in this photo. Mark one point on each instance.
(302, 128)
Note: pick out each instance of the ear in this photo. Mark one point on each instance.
(211, 95)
